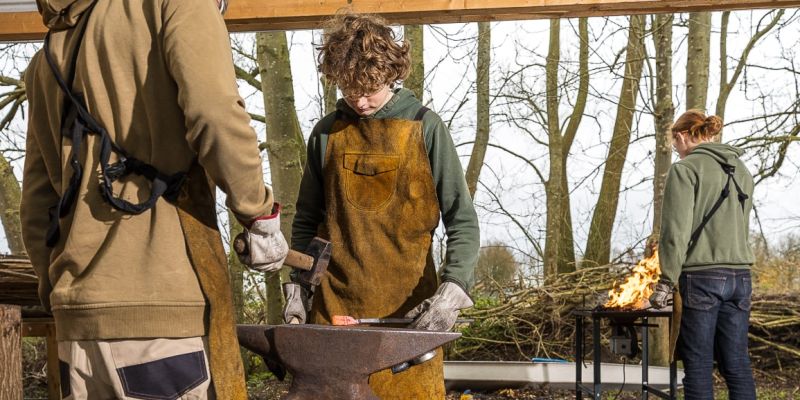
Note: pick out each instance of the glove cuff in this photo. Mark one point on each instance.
(456, 295)
(268, 224)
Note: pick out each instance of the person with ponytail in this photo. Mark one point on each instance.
(704, 253)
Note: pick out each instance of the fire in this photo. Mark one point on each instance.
(637, 288)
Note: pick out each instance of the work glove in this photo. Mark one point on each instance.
(440, 311)
(265, 248)
(298, 303)
(662, 294)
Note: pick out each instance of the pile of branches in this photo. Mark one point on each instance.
(537, 322)
(533, 321)
(774, 326)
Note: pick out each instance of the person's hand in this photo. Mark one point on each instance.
(440, 311)
(662, 294)
(297, 303)
(262, 247)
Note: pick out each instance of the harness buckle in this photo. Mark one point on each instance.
(118, 169)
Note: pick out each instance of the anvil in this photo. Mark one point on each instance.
(330, 362)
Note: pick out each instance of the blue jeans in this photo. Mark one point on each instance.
(716, 314)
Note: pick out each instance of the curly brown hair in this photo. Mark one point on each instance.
(360, 53)
(698, 124)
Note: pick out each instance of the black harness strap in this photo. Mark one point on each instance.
(741, 195)
(79, 122)
(421, 113)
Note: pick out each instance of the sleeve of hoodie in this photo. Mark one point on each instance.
(38, 195)
(198, 54)
(677, 217)
(458, 212)
(311, 198)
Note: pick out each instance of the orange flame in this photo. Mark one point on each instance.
(637, 288)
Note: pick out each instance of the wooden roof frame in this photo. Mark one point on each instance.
(261, 15)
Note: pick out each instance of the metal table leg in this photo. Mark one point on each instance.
(645, 359)
(597, 358)
(578, 356)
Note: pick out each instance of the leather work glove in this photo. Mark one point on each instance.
(440, 311)
(298, 303)
(662, 294)
(265, 247)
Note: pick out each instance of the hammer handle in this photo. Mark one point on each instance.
(294, 259)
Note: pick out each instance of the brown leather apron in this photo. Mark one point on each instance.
(381, 211)
(196, 210)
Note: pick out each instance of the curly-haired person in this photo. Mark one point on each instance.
(703, 250)
(381, 171)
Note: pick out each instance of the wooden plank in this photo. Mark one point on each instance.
(256, 15)
(10, 352)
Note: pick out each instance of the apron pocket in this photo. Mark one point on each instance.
(167, 378)
(371, 179)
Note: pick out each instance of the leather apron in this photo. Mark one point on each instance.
(197, 213)
(381, 211)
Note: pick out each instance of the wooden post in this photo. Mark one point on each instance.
(10, 352)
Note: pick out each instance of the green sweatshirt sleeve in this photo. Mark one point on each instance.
(458, 212)
(676, 221)
(311, 199)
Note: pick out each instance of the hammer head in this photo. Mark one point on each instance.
(320, 249)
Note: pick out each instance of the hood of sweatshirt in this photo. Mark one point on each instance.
(723, 153)
(62, 14)
(399, 104)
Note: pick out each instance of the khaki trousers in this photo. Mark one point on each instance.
(151, 369)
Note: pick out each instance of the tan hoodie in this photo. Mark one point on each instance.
(158, 74)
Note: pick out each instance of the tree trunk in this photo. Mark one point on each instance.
(482, 130)
(328, 96)
(236, 273)
(553, 186)
(566, 257)
(285, 145)
(10, 352)
(416, 80)
(699, 45)
(598, 247)
(9, 207)
(664, 114)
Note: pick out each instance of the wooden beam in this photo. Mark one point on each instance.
(260, 15)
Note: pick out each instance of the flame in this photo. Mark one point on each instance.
(637, 288)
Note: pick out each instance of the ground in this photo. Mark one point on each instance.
(775, 385)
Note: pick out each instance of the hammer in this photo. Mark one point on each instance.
(313, 262)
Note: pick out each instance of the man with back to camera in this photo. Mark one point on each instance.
(134, 116)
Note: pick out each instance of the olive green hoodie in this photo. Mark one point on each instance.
(455, 203)
(693, 186)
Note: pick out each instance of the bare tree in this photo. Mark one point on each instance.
(285, 144)
(482, 84)
(598, 246)
(662, 118)
(697, 60)
(725, 85)
(415, 82)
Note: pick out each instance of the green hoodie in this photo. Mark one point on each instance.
(693, 186)
(458, 213)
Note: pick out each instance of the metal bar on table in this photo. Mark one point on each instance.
(657, 392)
(588, 390)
